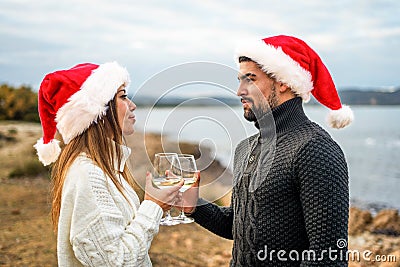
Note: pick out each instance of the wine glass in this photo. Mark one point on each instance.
(188, 170)
(167, 173)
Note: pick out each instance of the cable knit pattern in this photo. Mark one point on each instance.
(302, 205)
(97, 226)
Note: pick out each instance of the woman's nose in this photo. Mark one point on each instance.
(132, 106)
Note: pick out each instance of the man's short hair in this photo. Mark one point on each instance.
(247, 59)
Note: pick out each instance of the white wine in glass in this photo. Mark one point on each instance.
(167, 173)
(166, 182)
(188, 171)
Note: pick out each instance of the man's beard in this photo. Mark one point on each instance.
(272, 101)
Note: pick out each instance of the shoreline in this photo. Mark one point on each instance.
(373, 207)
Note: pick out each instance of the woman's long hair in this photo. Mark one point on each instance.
(96, 143)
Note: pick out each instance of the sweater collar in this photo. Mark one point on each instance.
(286, 116)
(289, 114)
(126, 152)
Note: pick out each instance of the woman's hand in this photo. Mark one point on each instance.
(165, 198)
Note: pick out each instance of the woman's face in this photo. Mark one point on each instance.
(125, 108)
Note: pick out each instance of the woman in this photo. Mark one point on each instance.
(95, 210)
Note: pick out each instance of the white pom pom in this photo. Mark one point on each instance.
(48, 153)
(340, 118)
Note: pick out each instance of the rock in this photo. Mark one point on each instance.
(15, 212)
(357, 241)
(386, 222)
(359, 220)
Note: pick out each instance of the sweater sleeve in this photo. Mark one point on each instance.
(214, 218)
(324, 195)
(99, 235)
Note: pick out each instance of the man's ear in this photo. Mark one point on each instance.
(283, 88)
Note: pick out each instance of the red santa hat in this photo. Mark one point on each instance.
(71, 100)
(291, 61)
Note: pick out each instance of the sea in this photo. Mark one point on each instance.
(371, 143)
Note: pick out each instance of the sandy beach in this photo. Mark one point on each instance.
(26, 237)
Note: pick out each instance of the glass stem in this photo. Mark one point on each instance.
(168, 215)
(182, 206)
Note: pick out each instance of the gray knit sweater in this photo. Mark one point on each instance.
(301, 207)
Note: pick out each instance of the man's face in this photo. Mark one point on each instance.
(257, 91)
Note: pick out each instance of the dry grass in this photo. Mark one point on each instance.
(26, 237)
(18, 153)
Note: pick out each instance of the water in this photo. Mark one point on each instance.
(371, 144)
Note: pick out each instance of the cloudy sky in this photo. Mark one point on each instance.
(358, 40)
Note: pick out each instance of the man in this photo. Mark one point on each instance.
(290, 196)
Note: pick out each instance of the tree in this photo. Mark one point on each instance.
(18, 103)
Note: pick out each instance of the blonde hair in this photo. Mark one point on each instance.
(97, 143)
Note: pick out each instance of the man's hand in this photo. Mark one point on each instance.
(190, 197)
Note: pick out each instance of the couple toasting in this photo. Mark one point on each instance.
(301, 203)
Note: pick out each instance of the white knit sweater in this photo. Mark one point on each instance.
(97, 226)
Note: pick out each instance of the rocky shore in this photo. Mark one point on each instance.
(378, 237)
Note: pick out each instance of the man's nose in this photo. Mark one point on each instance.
(241, 90)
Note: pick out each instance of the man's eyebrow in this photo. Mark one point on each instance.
(122, 90)
(249, 74)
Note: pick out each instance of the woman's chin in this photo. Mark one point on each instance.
(127, 132)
